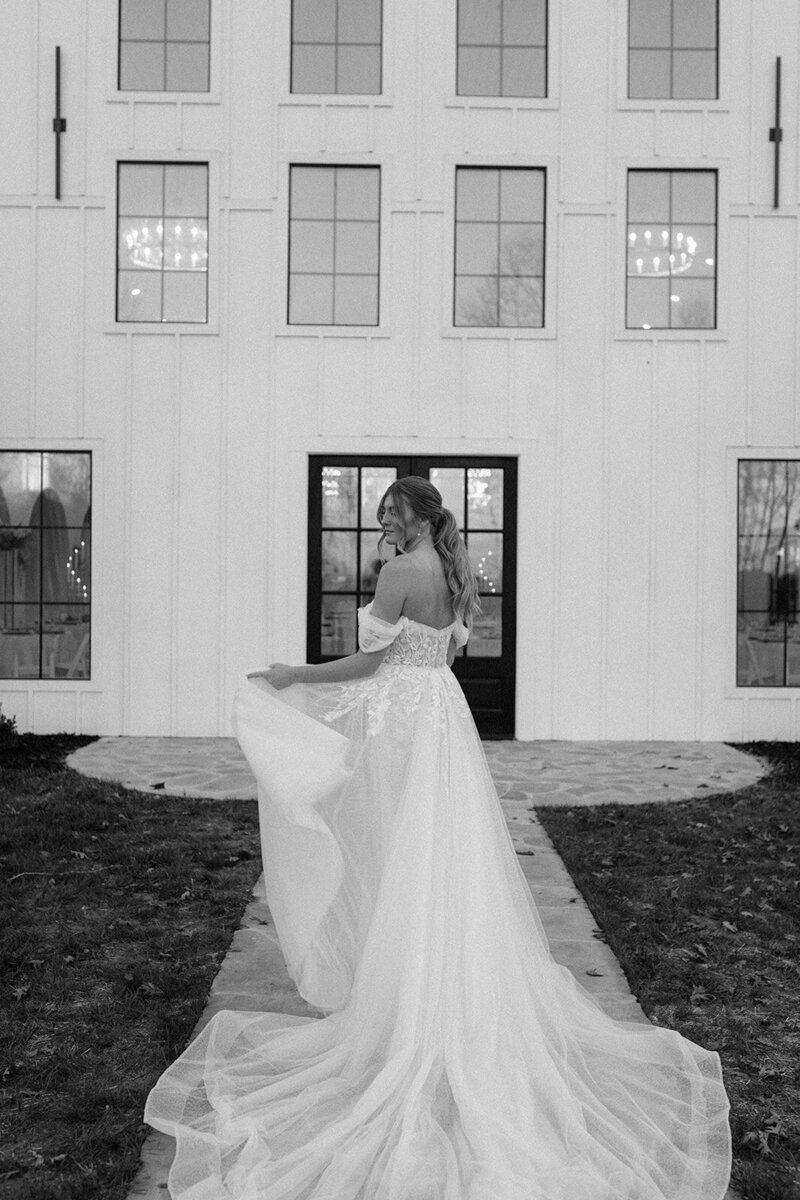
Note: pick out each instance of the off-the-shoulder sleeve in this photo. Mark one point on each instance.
(373, 633)
(460, 634)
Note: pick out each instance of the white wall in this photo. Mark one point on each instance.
(627, 441)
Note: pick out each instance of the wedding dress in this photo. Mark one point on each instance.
(457, 1060)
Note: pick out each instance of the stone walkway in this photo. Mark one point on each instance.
(253, 975)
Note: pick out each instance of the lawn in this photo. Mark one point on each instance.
(117, 910)
(707, 929)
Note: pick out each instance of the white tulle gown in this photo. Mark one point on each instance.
(457, 1061)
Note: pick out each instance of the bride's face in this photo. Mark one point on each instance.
(396, 520)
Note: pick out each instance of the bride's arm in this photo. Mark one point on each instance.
(341, 670)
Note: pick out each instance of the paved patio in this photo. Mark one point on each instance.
(253, 975)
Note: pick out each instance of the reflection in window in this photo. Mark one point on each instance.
(45, 564)
(499, 257)
(336, 47)
(162, 242)
(502, 48)
(350, 558)
(672, 49)
(768, 640)
(164, 45)
(334, 243)
(672, 250)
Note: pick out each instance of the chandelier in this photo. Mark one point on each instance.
(663, 253)
(178, 246)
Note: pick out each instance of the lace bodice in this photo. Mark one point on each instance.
(419, 645)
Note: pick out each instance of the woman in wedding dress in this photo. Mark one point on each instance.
(456, 1060)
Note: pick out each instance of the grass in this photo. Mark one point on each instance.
(117, 910)
(707, 929)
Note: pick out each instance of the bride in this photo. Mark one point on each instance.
(456, 1060)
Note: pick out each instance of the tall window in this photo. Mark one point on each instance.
(499, 254)
(336, 46)
(768, 649)
(45, 564)
(334, 245)
(162, 242)
(502, 48)
(672, 49)
(672, 249)
(164, 45)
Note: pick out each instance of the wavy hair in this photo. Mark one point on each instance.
(425, 502)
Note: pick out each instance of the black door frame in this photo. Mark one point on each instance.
(489, 683)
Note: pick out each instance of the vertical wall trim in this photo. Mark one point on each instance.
(700, 495)
(175, 530)
(605, 510)
(127, 466)
(652, 683)
(748, 303)
(224, 276)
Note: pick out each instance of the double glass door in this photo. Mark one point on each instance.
(344, 492)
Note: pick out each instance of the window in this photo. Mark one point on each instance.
(672, 236)
(162, 242)
(672, 49)
(45, 564)
(502, 48)
(164, 45)
(334, 245)
(768, 635)
(499, 255)
(336, 46)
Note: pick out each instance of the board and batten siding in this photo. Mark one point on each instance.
(627, 441)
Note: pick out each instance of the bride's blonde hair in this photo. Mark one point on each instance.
(425, 502)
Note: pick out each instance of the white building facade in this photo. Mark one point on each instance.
(261, 257)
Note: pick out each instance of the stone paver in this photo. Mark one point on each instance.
(253, 976)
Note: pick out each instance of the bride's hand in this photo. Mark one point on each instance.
(277, 675)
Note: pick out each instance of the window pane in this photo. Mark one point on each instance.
(477, 195)
(763, 497)
(338, 561)
(695, 24)
(485, 497)
(357, 247)
(524, 73)
(357, 193)
(648, 303)
(479, 22)
(694, 75)
(650, 23)
(188, 20)
(359, 70)
(142, 19)
(312, 192)
(521, 303)
(139, 296)
(524, 22)
(476, 248)
(486, 635)
(649, 197)
(185, 296)
(311, 247)
(339, 495)
(186, 191)
(187, 67)
(793, 496)
(141, 66)
(650, 75)
(486, 555)
(370, 561)
(476, 301)
(20, 483)
(693, 307)
(338, 625)
(311, 299)
(693, 249)
(522, 195)
(67, 648)
(374, 482)
(478, 72)
(314, 20)
(450, 482)
(70, 476)
(521, 249)
(359, 21)
(314, 69)
(141, 189)
(356, 300)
